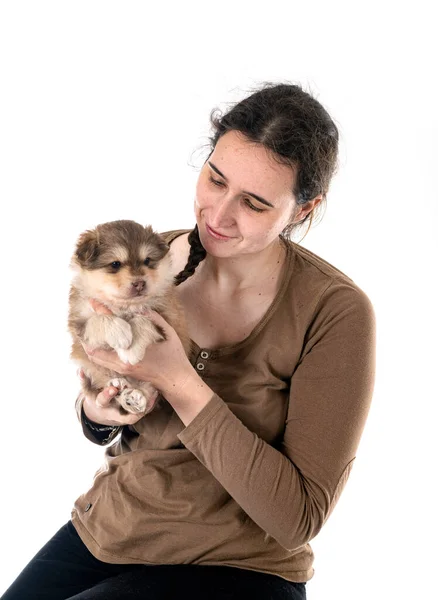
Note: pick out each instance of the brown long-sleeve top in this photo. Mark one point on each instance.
(253, 478)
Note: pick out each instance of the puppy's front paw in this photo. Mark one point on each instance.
(132, 355)
(132, 401)
(119, 334)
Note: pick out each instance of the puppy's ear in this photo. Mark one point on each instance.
(159, 241)
(87, 249)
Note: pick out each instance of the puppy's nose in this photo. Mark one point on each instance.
(139, 285)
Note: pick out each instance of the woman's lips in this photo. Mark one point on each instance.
(216, 235)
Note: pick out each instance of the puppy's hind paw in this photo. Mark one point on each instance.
(119, 382)
(132, 401)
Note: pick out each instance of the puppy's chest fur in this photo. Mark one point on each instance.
(80, 310)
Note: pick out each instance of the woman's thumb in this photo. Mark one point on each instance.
(104, 398)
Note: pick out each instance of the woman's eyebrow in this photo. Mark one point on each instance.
(259, 198)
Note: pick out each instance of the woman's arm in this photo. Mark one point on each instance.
(95, 432)
(290, 492)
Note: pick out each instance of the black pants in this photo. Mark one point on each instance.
(65, 569)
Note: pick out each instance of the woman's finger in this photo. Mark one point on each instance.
(158, 320)
(99, 308)
(105, 396)
(109, 360)
(154, 315)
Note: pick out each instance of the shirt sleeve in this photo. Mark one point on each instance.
(95, 432)
(291, 491)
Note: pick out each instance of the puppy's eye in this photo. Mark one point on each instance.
(147, 261)
(116, 264)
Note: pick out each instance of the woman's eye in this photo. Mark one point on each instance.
(248, 203)
(116, 264)
(252, 207)
(216, 182)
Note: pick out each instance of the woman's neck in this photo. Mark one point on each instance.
(230, 276)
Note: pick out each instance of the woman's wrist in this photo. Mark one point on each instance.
(189, 398)
(95, 432)
(96, 426)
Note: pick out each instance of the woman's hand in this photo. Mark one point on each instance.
(101, 410)
(165, 364)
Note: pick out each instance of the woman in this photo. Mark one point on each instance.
(221, 493)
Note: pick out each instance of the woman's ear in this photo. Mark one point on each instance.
(87, 248)
(303, 211)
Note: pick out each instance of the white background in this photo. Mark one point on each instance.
(104, 107)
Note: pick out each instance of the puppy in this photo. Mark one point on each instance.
(127, 267)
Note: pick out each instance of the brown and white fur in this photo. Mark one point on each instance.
(128, 268)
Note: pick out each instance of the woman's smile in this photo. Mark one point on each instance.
(215, 234)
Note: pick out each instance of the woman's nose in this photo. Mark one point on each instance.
(222, 211)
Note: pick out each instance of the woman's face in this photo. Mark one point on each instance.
(237, 172)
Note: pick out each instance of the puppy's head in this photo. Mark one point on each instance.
(122, 262)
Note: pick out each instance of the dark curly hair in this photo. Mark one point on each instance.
(296, 129)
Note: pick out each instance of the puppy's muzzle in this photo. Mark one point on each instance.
(137, 287)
